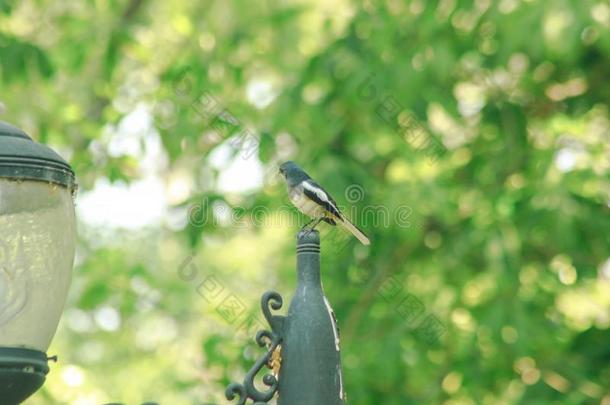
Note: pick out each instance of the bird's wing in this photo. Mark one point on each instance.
(316, 193)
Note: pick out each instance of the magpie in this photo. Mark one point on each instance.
(312, 200)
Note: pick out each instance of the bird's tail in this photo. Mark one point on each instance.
(345, 223)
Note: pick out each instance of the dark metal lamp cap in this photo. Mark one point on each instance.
(308, 242)
(23, 159)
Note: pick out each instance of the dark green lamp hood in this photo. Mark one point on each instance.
(23, 159)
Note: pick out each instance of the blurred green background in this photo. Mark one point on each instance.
(470, 139)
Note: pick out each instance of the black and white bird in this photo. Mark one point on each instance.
(312, 200)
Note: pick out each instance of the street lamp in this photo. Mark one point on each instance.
(37, 241)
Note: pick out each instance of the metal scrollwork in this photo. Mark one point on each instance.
(272, 339)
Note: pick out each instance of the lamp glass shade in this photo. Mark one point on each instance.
(37, 242)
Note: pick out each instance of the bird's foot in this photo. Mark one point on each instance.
(311, 228)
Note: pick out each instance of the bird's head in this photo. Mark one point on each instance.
(292, 173)
(288, 167)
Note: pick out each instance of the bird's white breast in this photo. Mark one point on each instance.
(304, 204)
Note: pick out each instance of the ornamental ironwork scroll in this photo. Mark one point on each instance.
(271, 339)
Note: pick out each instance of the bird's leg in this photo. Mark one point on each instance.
(313, 226)
(316, 223)
(305, 226)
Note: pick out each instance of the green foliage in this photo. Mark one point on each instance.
(478, 128)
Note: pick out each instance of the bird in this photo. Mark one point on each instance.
(312, 200)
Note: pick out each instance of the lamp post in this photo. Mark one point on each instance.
(303, 346)
(37, 241)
